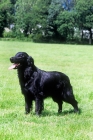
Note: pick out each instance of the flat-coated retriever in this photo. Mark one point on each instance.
(38, 84)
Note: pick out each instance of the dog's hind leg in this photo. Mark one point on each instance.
(69, 98)
(73, 102)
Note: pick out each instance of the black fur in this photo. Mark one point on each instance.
(37, 84)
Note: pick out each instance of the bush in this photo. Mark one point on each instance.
(9, 34)
(36, 37)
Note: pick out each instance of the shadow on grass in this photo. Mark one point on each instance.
(66, 112)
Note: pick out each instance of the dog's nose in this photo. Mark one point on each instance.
(11, 59)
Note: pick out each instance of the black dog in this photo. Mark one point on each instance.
(37, 84)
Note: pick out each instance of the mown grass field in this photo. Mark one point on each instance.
(74, 60)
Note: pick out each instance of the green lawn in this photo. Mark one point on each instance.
(74, 60)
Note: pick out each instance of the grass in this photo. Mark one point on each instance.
(74, 60)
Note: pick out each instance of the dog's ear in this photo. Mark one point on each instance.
(30, 61)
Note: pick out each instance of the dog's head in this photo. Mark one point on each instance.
(21, 59)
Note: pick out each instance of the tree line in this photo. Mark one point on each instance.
(59, 20)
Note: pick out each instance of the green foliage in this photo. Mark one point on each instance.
(5, 17)
(4, 5)
(39, 18)
(22, 16)
(53, 11)
(31, 17)
(65, 24)
(37, 37)
(85, 16)
(89, 21)
(9, 34)
(51, 19)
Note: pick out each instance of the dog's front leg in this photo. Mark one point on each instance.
(39, 105)
(59, 102)
(60, 106)
(28, 105)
